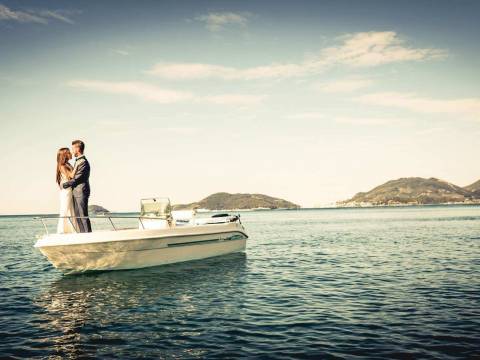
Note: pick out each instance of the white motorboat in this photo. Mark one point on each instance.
(162, 237)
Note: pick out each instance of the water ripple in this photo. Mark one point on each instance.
(364, 283)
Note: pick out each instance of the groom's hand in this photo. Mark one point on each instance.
(66, 185)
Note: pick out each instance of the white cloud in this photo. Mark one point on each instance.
(353, 120)
(306, 116)
(188, 71)
(233, 99)
(138, 89)
(430, 131)
(180, 130)
(366, 120)
(180, 71)
(39, 17)
(155, 93)
(364, 49)
(121, 126)
(344, 85)
(120, 52)
(469, 107)
(367, 49)
(19, 16)
(58, 15)
(216, 21)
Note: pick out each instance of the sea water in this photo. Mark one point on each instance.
(374, 283)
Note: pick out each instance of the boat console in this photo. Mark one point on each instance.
(155, 213)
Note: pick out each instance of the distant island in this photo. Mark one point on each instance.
(416, 191)
(97, 209)
(226, 201)
(474, 188)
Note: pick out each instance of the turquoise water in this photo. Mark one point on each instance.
(374, 283)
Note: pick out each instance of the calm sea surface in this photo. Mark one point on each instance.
(374, 283)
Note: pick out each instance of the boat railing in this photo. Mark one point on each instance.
(109, 217)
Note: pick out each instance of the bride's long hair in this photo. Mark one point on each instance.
(63, 155)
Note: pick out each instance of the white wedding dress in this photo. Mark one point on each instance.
(66, 209)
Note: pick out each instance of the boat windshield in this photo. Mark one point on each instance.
(158, 207)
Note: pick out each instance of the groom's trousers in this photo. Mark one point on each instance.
(80, 205)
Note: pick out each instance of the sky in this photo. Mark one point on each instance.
(310, 101)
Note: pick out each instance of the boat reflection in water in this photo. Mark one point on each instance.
(157, 307)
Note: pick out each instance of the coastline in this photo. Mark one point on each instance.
(283, 209)
(370, 205)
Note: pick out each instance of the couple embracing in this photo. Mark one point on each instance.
(74, 189)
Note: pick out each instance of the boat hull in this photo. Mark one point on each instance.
(133, 249)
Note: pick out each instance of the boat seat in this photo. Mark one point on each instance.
(153, 224)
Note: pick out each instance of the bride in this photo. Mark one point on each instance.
(65, 172)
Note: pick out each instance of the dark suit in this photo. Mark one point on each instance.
(81, 192)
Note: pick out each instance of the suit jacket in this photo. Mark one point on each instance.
(80, 184)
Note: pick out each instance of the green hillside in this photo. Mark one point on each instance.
(226, 201)
(474, 188)
(414, 190)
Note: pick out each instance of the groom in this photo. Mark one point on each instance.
(80, 186)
